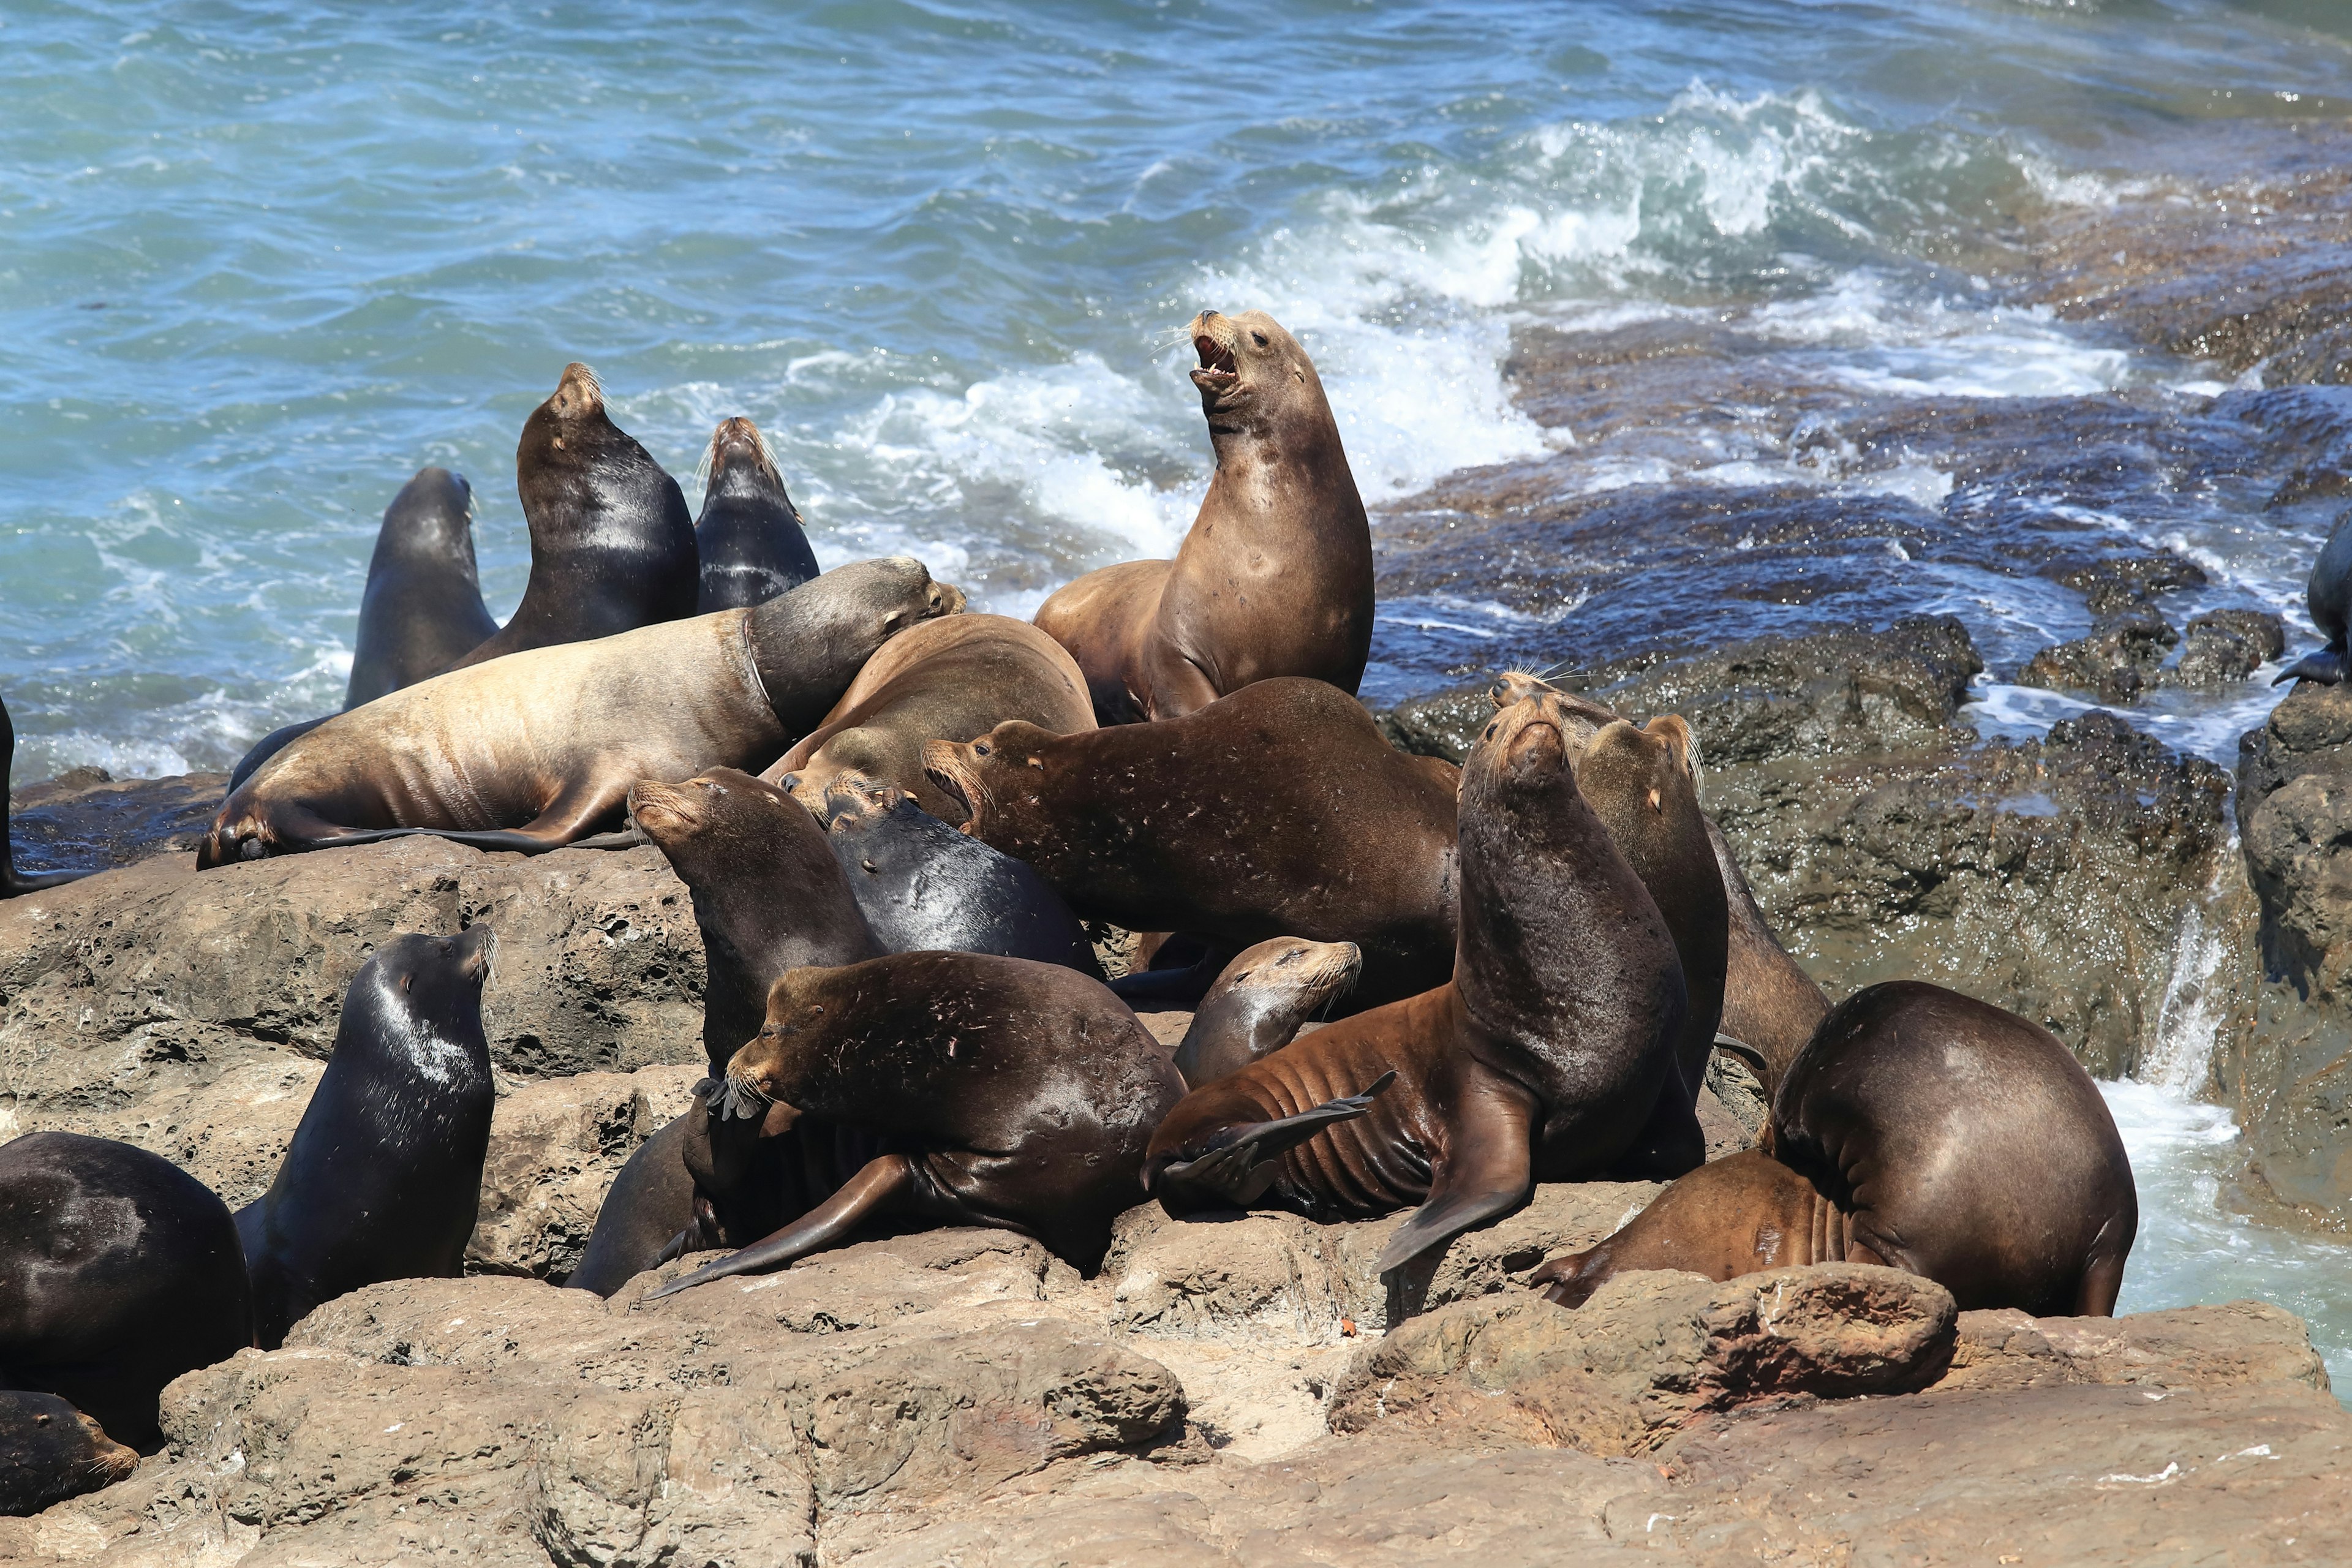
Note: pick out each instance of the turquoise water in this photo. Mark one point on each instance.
(257, 264)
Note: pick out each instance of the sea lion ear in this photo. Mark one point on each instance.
(1682, 745)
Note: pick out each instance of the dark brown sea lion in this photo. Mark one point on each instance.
(119, 1271)
(953, 680)
(13, 882)
(1257, 1004)
(1278, 811)
(1276, 576)
(49, 1451)
(769, 896)
(1016, 1095)
(925, 886)
(1920, 1129)
(749, 536)
(1770, 1005)
(384, 1175)
(612, 544)
(1545, 1058)
(539, 749)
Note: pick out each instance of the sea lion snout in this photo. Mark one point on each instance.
(579, 394)
(476, 950)
(951, 766)
(663, 812)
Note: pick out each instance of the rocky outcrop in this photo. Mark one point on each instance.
(88, 817)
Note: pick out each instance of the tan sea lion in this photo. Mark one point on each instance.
(1278, 811)
(539, 749)
(951, 680)
(1276, 576)
(1920, 1129)
(1545, 1058)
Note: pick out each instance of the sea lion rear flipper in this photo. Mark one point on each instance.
(1237, 1174)
(2324, 668)
(1486, 1170)
(874, 1190)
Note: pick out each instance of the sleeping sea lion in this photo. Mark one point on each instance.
(612, 544)
(384, 1175)
(1920, 1129)
(952, 679)
(1010, 1094)
(119, 1271)
(1546, 1057)
(1278, 811)
(1259, 1001)
(49, 1451)
(539, 749)
(749, 536)
(1276, 576)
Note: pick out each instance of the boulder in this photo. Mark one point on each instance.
(2114, 663)
(2221, 1346)
(2226, 646)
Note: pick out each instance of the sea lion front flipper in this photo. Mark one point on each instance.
(874, 1190)
(1237, 1174)
(1486, 1171)
(2324, 668)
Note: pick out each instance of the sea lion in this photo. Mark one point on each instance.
(1546, 1057)
(1275, 575)
(950, 680)
(384, 1175)
(1920, 1129)
(14, 882)
(1278, 811)
(749, 536)
(119, 1271)
(1257, 1003)
(926, 886)
(1770, 1006)
(769, 896)
(2329, 597)
(612, 544)
(1015, 1095)
(539, 749)
(49, 1451)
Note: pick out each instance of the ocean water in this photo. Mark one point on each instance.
(260, 262)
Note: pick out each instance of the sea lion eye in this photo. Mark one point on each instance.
(1262, 340)
(980, 748)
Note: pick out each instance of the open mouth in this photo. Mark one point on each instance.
(1217, 371)
(939, 766)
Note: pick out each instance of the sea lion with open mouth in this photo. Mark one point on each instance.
(750, 536)
(538, 750)
(1276, 576)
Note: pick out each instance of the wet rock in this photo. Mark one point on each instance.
(2123, 584)
(156, 979)
(87, 816)
(1650, 1354)
(2114, 663)
(2226, 646)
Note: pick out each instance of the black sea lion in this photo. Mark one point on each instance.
(49, 1451)
(2329, 597)
(926, 886)
(954, 679)
(384, 1175)
(612, 544)
(119, 1271)
(769, 897)
(1260, 1000)
(1276, 576)
(538, 750)
(12, 881)
(1278, 811)
(1544, 1058)
(1017, 1095)
(749, 536)
(1920, 1129)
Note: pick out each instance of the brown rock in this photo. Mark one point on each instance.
(2185, 1347)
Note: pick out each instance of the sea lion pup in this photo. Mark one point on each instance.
(2329, 597)
(926, 886)
(769, 896)
(1920, 1129)
(950, 680)
(612, 544)
(1544, 1058)
(384, 1175)
(1278, 811)
(539, 749)
(119, 1271)
(423, 609)
(1276, 576)
(14, 882)
(1257, 1004)
(49, 1451)
(1013, 1094)
(749, 536)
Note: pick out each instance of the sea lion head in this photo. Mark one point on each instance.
(435, 982)
(857, 751)
(1313, 972)
(720, 818)
(988, 775)
(431, 519)
(1529, 745)
(1649, 765)
(854, 799)
(566, 434)
(738, 461)
(761, 1074)
(1584, 716)
(1252, 374)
